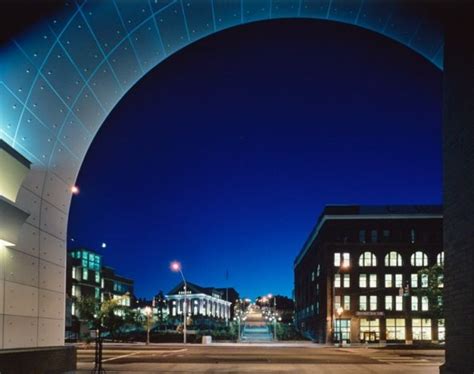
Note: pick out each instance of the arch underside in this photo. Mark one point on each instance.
(58, 83)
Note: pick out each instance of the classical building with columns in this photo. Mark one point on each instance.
(205, 303)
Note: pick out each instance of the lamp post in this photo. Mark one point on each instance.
(148, 313)
(176, 266)
(343, 265)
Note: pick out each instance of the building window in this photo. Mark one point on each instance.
(347, 280)
(398, 303)
(373, 280)
(367, 259)
(75, 291)
(388, 280)
(393, 259)
(412, 236)
(362, 302)
(337, 302)
(362, 280)
(373, 302)
(97, 293)
(388, 302)
(85, 274)
(373, 236)
(419, 259)
(424, 303)
(337, 259)
(337, 280)
(318, 270)
(342, 329)
(361, 236)
(97, 277)
(395, 328)
(414, 303)
(440, 259)
(414, 280)
(398, 280)
(441, 330)
(317, 307)
(347, 302)
(424, 280)
(386, 235)
(421, 329)
(369, 329)
(312, 276)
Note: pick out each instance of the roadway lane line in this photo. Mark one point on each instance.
(117, 357)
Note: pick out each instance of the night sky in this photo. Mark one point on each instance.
(224, 155)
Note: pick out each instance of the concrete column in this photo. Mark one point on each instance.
(458, 149)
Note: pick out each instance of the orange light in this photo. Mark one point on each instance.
(75, 190)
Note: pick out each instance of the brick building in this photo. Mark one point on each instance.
(356, 277)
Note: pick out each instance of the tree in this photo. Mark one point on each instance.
(434, 290)
(104, 315)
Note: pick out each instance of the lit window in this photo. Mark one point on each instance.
(424, 303)
(85, 274)
(337, 280)
(414, 280)
(399, 303)
(395, 328)
(373, 280)
(424, 280)
(337, 259)
(440, 281)
(388, 302)
(373, 302)
(398, 280)
(441, 330)
(312, 276)
(388, 280)
(363, 280)
(414, 303)
(440, 259)
(347, 280)
(318, 270)
(97, 293)
(368, 328)
(347, 302)
(419, 259)
(362, 302)
(421, 329)
(367, 259)
(337, 302)
(346, 259)
(97, 277)
(73, 272)
(393, 259)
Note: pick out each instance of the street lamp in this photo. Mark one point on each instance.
(343, 265)
(270, 296)
(176, 267)
(148, 313)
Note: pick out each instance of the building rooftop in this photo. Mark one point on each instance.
(353, 211)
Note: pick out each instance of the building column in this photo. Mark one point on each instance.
(458, 152)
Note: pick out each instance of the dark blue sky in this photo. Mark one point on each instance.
(224, 155)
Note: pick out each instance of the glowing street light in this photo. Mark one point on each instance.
(104, 245)
(176, 267)
(75, 190)
(148, 313)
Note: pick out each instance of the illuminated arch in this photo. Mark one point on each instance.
(59, 81)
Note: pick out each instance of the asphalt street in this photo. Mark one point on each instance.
(260, 358)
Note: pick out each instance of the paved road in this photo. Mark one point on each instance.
(262, 359)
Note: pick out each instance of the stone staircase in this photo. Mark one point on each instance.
(256, 328)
